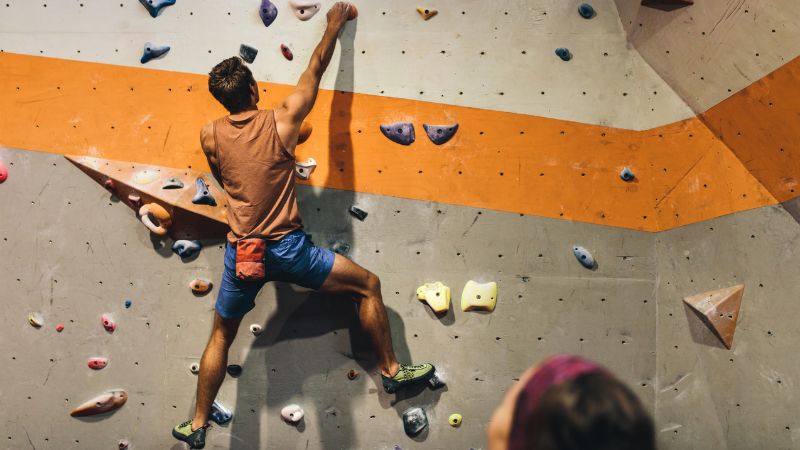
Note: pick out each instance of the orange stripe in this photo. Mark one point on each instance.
(503, 161)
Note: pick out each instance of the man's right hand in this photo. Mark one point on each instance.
(340, 13)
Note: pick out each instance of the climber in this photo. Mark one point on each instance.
(251, 153)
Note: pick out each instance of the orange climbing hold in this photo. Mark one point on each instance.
(426, 13)
(199, 286)
(103, 403)
(719, 310)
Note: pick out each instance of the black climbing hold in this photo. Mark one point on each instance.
(203, 196)
(341, 248)
(153, 51)
(439, 134)
(586, 11)
(399, 132)
(185, 248)
(358, 213)
(435, 382)
(563, 53)
(155, 6)
(172, 183)
(627, 174)
(248, 53)
(234, 370)
(128, 303)
(414, 421)
(268, 12)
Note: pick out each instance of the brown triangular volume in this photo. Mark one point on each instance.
(719, 310)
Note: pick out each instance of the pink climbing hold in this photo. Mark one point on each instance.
(109, 184)
(97, 363)
(3, 172)
(108, 323)
(60, 328)
(287, 52)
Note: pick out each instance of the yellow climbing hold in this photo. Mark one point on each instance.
(479, 296)
(455, 420)
(436, 295)
(426, 13)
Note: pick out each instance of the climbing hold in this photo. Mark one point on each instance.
(234, 370)
(426, 13)
(352, 374)
(109, 184)
(414, 421)
(477, 296)
(341, 248)
(199, 286)
(135, 200)
(304, 9)
(103, 403)
(305, 169)
(268, 12)
(185, 248)
(152, 51)
(220, 414)
(436, 295)
(194, 368)
(583, 256)
(108, 322)
(439, 134)
(155, 218)
(399, 132)
(128, 304)
(586, 11)
(436, 381)
(358, 213)
(155, 6)
(292, 414)
(60, 327)
(287, 52)
(563, 53)
(305, 132)
(123, 445)
(172, 183)
(3, 172)
(203, 195)
(719, 310)
(97, 363)
(627, 174)
(35, 319)
(144, 177)
(256, 329)
(248, 53)
(455, 420)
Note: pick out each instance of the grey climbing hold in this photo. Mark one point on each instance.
(172, 183)
(439, 134)
(586, 11)
(220, 414)
(152, 51)
(399, 132)
(563, 53)
(358, 213)
(203, 195)
(248, 53)
(627, 174)
(341, 248)
(583, 256)
(185, 248)
(155, 6)
(414, 421)
(234, 370)
(268, 12)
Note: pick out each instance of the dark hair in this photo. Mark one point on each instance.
(591, 412)
(229, 82)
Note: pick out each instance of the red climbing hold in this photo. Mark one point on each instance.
(3, 172)
(287, 52)
(108, 323)
(59, 328)
(97, 363)
(109, 184)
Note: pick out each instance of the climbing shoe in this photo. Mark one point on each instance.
(195, 439)
(408, 375)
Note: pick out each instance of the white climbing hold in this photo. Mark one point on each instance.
(35, 319)
(256, 329)
(583, 256)
(305, 169)
(292, 413)
(304, 9)
(194, 368)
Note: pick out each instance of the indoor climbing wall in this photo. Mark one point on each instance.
(535, 168)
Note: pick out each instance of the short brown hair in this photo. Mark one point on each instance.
(229, 82)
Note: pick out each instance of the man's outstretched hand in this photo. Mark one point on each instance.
(340, 13)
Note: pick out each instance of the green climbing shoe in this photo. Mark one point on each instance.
(408, 375)
(195, 439)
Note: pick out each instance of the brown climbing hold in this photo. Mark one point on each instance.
(719, 310)
(305, 132)
(287, 52)
(426, 13)
(199, 286)
(352, 374)
(109, 401)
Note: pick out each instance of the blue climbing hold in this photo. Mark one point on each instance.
(203, 195)
(563, 53)
(248, 53)
(439, 134)
(399, 132)
(185, 248)
(220, 414)
(627, 174)
(583, 256)
(128, 303)
(268, 12)
(153, 51)
(155, 6)
(586, 11)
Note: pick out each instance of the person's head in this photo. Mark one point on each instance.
(568, 403)
(232, 83)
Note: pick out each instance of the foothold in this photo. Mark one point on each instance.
(109, 401)
(292, 414)
(305, 169)
(563, 53)
(305, 132)
(123, 445)
(426, 13)
(248, 53)
(203, 195)
(352, 374)
(185, 248)
(128, 304)
(268, 12)
(439, 134)
(399, 132)
(586, 11)
(155, 6)
(358, 213)
(194, 368)
(256, 329)
(719, 310)
(3, 172)
(583, 256)
(97, 363)
(109, 184)
(414, 421)
(436, 295)
(304, 10)
(341, 248)
(627, 174)
(108, 322)
(477, 296)
(455, 420)
(172, 183)
(60, 327)
(287, 52)
(436, 381)
(220, 414)
(199, 286)
(152, 51)
(155, 218)
(234, 370)
(35, 319)
(145, 177)
(135, 200)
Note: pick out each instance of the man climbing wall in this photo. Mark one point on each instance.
(251, 153)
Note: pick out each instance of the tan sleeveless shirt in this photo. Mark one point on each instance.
(258, 177)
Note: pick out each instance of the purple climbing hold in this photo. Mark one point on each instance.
(248, 53)
(268, 12)
(153, 51)
(155, 6)
(439, 134)
(203, 195)
(399, 132)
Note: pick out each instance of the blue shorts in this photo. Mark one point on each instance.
(294, 259)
